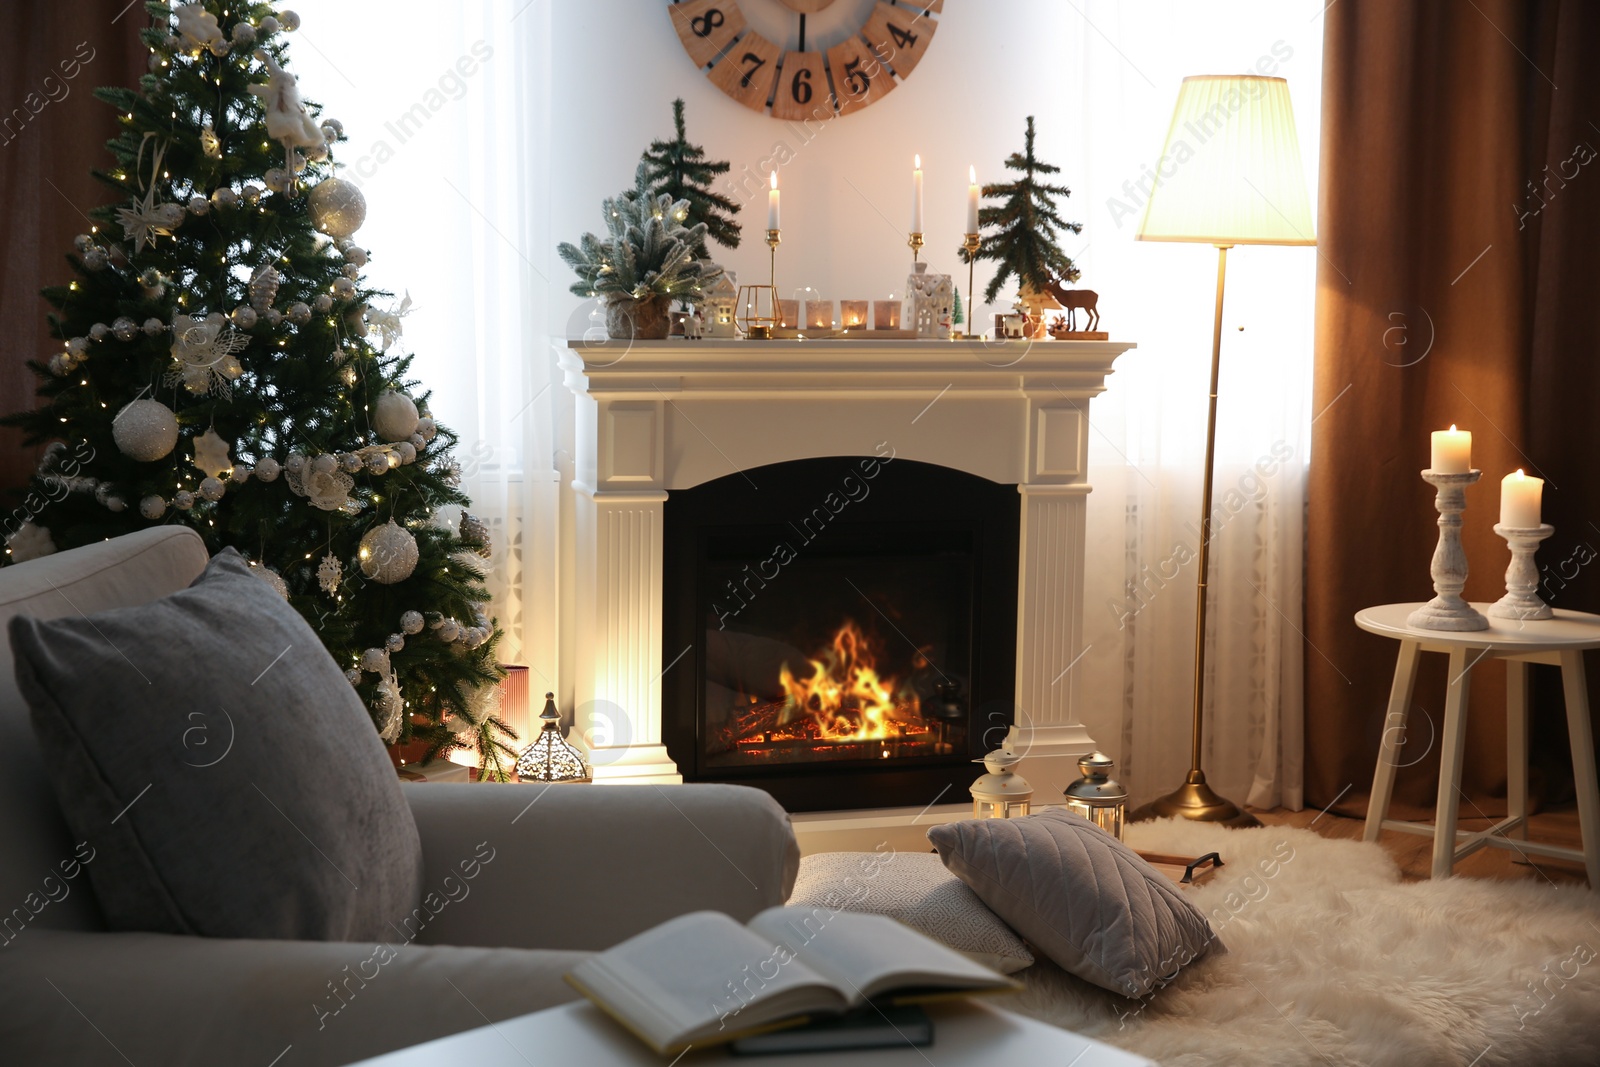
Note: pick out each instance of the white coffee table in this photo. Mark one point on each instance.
(1561, 642)
(964, 1033)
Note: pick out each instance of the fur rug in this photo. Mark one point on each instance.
(1333, 960)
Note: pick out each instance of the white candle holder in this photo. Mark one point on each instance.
(1447, 611)
(1522, 577)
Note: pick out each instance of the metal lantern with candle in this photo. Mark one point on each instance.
(1002, 793)
(551, 758)
(1097, 796)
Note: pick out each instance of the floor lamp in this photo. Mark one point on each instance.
(1229, 174)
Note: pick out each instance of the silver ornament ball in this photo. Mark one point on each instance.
(125, 329)
(388, 553)
(343, 288)
(145, 430)
(299, 313)
(244, 316)
(98, 331)
(337, 207)
(96, 258)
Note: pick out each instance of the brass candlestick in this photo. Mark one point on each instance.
(916, 246)
(757, 325)
(971, 245)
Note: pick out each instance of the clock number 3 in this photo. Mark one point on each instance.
(756, 63)
(703, 25)
(800, 87)
(856, 79)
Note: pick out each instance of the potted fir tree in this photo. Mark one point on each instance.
(646, 261)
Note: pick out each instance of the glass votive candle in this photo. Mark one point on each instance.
(819, 314)
(789, 313)
(853, 314)
(886, 314)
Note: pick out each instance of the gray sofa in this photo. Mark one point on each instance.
(583, 868)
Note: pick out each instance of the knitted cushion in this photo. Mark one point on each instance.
(1078, 895)
(914, 888)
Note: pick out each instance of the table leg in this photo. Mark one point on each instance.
(1451, 756)
(1394, 728)
(1517, 744)
(1581, 736)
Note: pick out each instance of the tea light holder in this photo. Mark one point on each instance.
(1522, 577)
(755, 319)
(819, 314)
(886, 314)
(853, 314)
(1447, 610)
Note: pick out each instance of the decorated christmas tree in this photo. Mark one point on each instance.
(224, 366)
(1020, 234)
(681, 171)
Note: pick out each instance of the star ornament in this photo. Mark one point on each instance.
(211, 454)
(144, 220)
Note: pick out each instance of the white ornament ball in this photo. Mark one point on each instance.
(98, 331)
(394, 416)
(224, 197)
(290, 20)
(325, 463)
(372, 660)
(417, 442)
(268, 469)
(243, 33)
(199, 205)
(333, 128)
(145, 430)
(244, 316)
(78, 346)
(355, 256)
(377, 463)
(273, 316)
(115, 504)
(183, 500)
(82, 243)
(241, 473)
(270, 26)
(337, 207)
(60, 365)
(277, 179)
(343, 288)
(448, 630)
(350, 462)
(96, 258)
(407, 452)
(152, 507)
(299, 313)
(427, 428)
(323, 303)
(388, 553)
(351, 271)
(153, 326)
(294, 463)
(252, 194)
(395, 643)
(219, 47)
(171, 215)
(211, 488)
(353, 676)
(411, 622)
(124, 329)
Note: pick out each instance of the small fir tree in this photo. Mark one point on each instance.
(1020, 234)
(956, 318)
(222, 367)
(681, 171)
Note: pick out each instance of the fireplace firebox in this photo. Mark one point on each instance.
(841, 631)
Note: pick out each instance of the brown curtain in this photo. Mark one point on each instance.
(1459, 282)
(52, 131)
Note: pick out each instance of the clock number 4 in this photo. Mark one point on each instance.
(703, 25)
(856, 79)
(901, 37)
(800, 87)
(756, 63)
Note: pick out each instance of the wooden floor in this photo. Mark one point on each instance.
(1414, 853)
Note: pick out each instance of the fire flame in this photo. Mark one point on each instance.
(844, 694)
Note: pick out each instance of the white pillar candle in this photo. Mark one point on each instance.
(1520, 497)
(916, 198)
(772, 203)
(1452, 451)
(972, 200)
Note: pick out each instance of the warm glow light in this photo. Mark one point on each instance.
(844, 694)
(774, 179)
(916, 162)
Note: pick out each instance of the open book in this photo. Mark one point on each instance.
(702, 978)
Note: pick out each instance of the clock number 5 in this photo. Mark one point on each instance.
(856, 79)
(703, 25)
(800, 87)
(756, 63)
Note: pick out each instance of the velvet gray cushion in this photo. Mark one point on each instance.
(1078, 895)
(226, 775)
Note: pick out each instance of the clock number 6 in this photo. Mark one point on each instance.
(703, 25)
(800, 87)
(756, 64)
(854, 74)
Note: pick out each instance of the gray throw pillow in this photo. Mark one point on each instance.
(1078, 895)
(221, 766)
(916, 889)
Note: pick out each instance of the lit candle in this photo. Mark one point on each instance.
(972, 200)
(916, 198)
(1452, 451)
(1520, 497)
(772, 203)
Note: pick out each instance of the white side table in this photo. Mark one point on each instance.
(1560, 642)
(964, 1033)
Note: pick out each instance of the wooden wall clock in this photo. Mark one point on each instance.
(796, 84)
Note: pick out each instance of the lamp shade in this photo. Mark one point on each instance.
(1229, 173)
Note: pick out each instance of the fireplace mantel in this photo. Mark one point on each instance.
(653, 416)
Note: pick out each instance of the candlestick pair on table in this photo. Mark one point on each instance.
(1450, 473)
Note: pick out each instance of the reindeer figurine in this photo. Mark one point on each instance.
(1071, 299)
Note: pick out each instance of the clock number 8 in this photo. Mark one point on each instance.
(703, 25)
(854, 74)
(756, 64)
(800, 87)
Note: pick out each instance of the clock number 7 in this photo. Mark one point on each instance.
(756, 64)
(853, 74)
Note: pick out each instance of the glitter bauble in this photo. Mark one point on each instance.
(153, 326)
(224, 197)
(350, 462)
(199, 205)
(395, 643)
(299, 313)
(183, 500)
(268, 469)
(145, 430)
(388, 553)
(125, 329)
(394, 416)
(323, 303)
(372, 660)
(244, 316)
(411, 622)
(343, 288)
(152, 507)
(211, 488)
(325, 463)
(337, 207)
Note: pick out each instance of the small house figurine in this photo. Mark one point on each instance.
(932, 298)
(718, 305)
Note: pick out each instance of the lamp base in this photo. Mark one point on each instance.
(1196, 800)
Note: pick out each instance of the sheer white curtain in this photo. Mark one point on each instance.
(460, 214)
(445, 108)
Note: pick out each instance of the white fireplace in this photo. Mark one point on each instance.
(656, 416)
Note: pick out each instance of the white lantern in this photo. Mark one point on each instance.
(1097, 796)
(1001, 793)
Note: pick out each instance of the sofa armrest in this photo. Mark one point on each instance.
(585, 866)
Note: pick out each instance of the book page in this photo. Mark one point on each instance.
(701, 975)
(866, 955)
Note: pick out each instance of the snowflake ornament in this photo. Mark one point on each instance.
(210, 143)
(144, 220)
(330, 573)
(211, 454)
